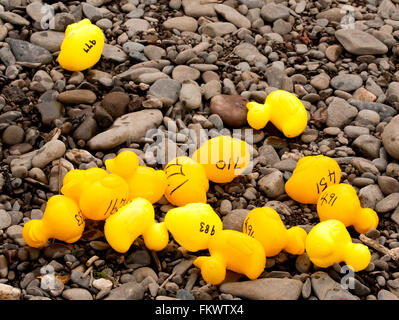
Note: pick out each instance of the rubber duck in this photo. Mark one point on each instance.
(193, 225)
(186, 182)
(235, 251)
(329, 242)
(143, 182)
(62, 220)
(82, 46)
(312, 175)
(283, 109)
(264, 224)
(97, 192)
(132, 220)
(223, 158)
(340, 202)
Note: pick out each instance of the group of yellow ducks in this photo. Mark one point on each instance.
(123, 194)
(124, 198)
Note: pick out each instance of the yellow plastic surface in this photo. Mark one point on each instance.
(311, 177)
(98, 193)
(340, 202)
(143, 182)
(132, 220)
(223, 158)
(235, 251)
(82, 46)
(193, 225)
(186, 182)
(61, 220)
(283, 109)
(264, 224)
(329, 242)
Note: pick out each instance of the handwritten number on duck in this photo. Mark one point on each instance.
(221, 164)
(115, 207)
(89, 46)
(328, 200)
(323, 184)
(248, 229)
(79, 218)
(205, 228)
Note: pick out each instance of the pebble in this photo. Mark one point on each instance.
(271, 12)
(77, 96)
(196, 9)
(8, 292)
(388, 203)
(182, 73)
(231, 109)
(49, 40)
(181, 23)
(386, 295)
(367, 146)
(102, 284)
(359, 42)
(265, 289)
(15, 233)
(325, 288)
(340, 113)
(272, 185)
(321, 81)
(234, 219)
(77, 294)
(141, 273)
(127, 291)
(13, 135)
(52, 150)
(131, 126)
(388, 185)
(25, 51)
(346, 82)
(233, 16)
(114, 53)
(190, 95)
(390, 137)
(217, 29)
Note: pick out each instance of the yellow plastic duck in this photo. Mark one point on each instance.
(223, 158)
(186, 182)
(283, 109)
(82, 46)
(61, 220)
(264, 224)
(329, 242)
(143, 182)
(193, 225)
(132, 220)
(235, 251)
(312, 175)
(97, 193)
(340, 202)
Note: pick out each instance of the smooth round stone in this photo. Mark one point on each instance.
(182, 73)
(13, 135)
(346, 82)
(5, 219)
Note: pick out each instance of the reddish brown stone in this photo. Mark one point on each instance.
(115, 103)
(231, 109)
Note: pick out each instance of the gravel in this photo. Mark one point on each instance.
(185, 66)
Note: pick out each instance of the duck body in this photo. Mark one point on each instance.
(82, 46)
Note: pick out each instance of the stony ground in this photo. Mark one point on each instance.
(165, 65)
